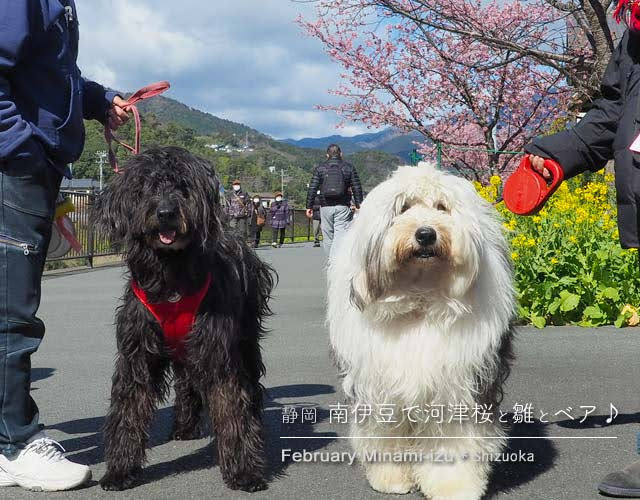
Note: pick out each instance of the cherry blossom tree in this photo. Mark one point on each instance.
(474, 97)
(573, 37)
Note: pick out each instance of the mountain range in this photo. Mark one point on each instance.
(169, 110)
(390, 141)
(237, 151)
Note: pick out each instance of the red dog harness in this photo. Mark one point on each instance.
(175, 318)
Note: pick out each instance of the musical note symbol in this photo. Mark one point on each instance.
(612, 409)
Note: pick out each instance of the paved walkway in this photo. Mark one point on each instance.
(556, 368)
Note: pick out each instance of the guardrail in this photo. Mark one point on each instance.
(95, 244)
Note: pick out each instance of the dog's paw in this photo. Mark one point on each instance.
(250, 484)
(186, 434)
(390, 478)
(113, 481)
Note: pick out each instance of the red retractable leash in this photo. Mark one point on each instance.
(526, 191)
(130, 105)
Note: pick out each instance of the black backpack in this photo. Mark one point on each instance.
(333, 184)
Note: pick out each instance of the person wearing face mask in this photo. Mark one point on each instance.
(279, 217)
(238, 210)
(257, 219)
(609, 131)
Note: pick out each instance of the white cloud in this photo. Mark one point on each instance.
(303, 123)
(244, 60)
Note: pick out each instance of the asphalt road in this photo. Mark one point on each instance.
(556, 368)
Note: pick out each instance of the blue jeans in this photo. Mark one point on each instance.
(28, 190)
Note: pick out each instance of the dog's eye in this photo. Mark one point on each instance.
(442, 207)
(405, 207)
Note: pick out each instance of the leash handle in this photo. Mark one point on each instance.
(130, 105)
(526, 191)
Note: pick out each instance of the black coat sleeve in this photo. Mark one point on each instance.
(588, 145)
(356, 187)
(313, 187)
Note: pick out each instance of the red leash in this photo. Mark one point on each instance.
(130, 105)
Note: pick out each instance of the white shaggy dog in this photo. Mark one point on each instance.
(420, 307)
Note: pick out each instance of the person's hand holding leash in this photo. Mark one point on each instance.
(117, 115)
(537, 163)
(309, 213)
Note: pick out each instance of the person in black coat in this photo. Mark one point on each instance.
(257, 219)
(318, 202)
(337, 180)
(605, 133)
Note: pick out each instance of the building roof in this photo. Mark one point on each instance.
(79, 184)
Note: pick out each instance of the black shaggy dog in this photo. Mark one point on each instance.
(164, 214)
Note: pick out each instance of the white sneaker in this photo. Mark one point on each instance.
(5, 479)
(41, 466)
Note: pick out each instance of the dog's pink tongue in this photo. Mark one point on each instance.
(167, 237)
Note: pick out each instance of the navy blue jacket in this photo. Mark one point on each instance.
(43, 98)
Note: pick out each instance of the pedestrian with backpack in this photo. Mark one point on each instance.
(335, 178)
(318, 202)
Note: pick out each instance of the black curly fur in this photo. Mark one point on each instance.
(222, 367)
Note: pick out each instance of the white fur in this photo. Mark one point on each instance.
(422, 331)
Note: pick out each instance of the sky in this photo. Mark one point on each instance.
(243, 60)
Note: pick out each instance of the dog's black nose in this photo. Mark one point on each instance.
(165, 213)
(426, 236)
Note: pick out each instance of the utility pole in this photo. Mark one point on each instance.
(282, 181)
(101, 157)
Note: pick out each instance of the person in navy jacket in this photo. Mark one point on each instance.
(43, 101)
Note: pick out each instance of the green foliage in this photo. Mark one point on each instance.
(253, 168)
(569, 266)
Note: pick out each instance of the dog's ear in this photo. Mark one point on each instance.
(371, 280)
(108, 213)
(358, 295)
(466, 259)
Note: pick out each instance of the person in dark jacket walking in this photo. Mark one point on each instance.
(257, 219)
(318, 202)
(334, 178)
(280, 218)
(43, 100)
(238, 208)
(605, 133)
